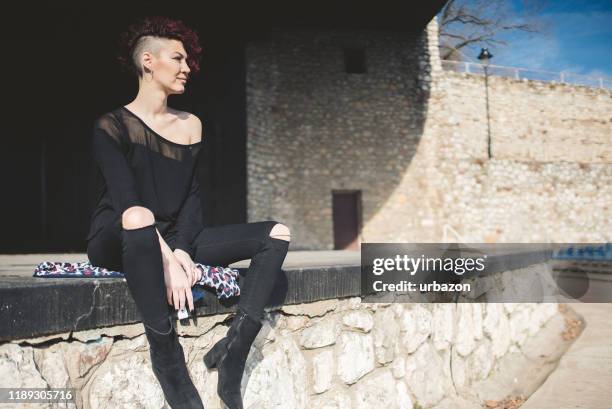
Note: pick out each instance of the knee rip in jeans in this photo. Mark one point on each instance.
(281, 232)
(137, 217)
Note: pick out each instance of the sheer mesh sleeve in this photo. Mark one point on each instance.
(109, 153)
(189, 220)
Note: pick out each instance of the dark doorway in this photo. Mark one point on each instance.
(346, 207)
(65, 76)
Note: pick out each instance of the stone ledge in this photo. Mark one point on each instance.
(37, 307)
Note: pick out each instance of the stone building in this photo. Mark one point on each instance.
(359, 135)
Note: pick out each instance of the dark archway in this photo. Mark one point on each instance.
(65, 76)
(60, 74)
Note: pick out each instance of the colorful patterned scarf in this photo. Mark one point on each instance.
(223, 279)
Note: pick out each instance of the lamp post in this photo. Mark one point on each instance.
(485, 56)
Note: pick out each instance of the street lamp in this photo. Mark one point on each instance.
(485, 56)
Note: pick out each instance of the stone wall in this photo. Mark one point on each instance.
(313, 128)
(413, 138)
(338, 353)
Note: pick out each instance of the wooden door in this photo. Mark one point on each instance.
(346, 209)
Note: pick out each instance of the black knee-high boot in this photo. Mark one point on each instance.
(230, 353)
(230, 363)
(144, 272)
(143, 268)
(168, 362)
(256, 290)
(262, 275)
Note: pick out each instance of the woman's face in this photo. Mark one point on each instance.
(169, 66)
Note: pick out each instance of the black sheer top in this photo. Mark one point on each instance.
(136, 166)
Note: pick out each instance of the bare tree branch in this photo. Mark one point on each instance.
(469, 22)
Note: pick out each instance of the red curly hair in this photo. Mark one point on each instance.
(158, 26)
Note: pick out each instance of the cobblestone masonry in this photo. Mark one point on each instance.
(328, 354)
(413, 138)
(335, 353)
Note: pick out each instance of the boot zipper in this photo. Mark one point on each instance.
(240, 319)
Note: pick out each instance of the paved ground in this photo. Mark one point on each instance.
(583, 379)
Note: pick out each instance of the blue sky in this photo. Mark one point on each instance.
(577, 38)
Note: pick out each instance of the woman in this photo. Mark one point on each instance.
(147, 222)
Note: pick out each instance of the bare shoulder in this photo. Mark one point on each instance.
(192, 125)
(196, 127)
(195, 122)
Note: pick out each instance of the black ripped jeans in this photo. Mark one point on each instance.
(137, 254)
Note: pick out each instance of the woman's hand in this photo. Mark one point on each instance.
(193, 274)
(177, 285)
